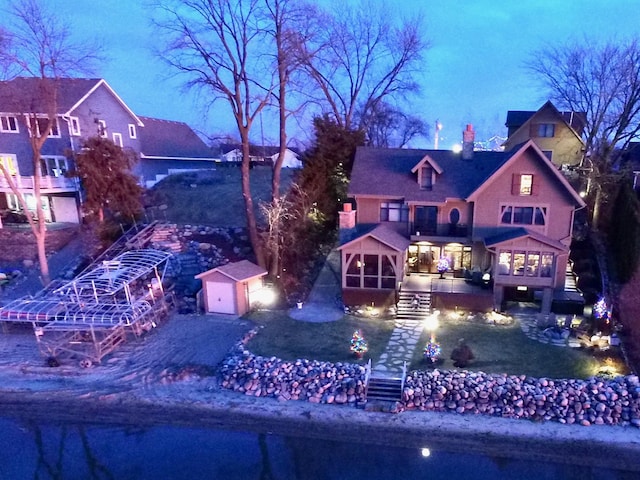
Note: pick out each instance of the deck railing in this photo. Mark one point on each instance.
(47, 183)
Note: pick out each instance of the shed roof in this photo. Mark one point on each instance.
(238, 271)
(383, 234)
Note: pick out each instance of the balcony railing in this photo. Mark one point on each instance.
(440, 230)
(47, 183)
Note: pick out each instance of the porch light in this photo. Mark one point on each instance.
(521, 288)
(266, 296)
(425, 452)
(486, 277)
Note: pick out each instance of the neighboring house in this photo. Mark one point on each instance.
(557, 134)
(505, 214)
(85, 108)
(168, 147)
(261, 154)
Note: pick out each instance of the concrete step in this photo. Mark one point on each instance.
(385, 389)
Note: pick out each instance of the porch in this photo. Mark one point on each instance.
(449, 292)
(48, 184)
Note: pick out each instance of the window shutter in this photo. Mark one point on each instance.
(515, 184)
(535, 185)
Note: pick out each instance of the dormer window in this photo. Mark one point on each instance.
(426, 177)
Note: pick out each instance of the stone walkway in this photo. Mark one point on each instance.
(400, 348)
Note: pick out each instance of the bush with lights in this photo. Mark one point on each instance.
(358, 344)
(443, 266)
(432, 352)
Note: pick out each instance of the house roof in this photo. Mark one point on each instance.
(521, 232)
(386, 173)
(383, 234)
(169, 139)
(576, 121)
(544, 161)
(237, 271)
(25, 94)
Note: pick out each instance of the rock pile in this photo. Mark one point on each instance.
(310, 380)
(586, 402)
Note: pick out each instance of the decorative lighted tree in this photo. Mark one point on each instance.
(358, 344)
(432, 351)
(443, 266)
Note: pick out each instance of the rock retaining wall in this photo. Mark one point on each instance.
(585, 402)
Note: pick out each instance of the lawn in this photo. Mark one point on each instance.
(497, 348)
(290, 339)
(212, 197)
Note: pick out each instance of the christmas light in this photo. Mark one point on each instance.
(600, 310)
(358, 343)
(432, 351)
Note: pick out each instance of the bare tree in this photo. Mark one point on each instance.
(359, 57)
(39, 44)
(603, 81)
(388, 126)
(220, 46)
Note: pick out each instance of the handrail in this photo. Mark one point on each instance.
(367, 374)
(404, 375)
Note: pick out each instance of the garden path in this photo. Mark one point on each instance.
(401, 346)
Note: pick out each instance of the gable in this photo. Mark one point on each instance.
(521, 238)
(102, 94)
(528, 160)
(381, 238)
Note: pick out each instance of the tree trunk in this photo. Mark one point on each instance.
(248, 200)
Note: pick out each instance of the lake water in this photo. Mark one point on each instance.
(49, 451)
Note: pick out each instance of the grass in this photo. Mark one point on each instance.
(289, 339)
(506, 349)
(214, 199)
(497, 348)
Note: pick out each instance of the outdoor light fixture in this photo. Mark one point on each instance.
(521, 288)
(425, 452)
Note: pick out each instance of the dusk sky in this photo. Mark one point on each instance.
(473, 71)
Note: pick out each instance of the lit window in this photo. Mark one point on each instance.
(9, 123)
(9, 163)
(526, 184)
(504, 263)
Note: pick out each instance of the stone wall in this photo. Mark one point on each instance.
(594, 401)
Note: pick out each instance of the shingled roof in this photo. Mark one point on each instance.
(26, 93)
(386, 173)
(517, 118)
(169, 139)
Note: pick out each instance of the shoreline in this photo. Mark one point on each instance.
(600, 446)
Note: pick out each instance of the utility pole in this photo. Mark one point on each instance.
(437, 134)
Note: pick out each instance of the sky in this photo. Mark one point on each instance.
(473, 72)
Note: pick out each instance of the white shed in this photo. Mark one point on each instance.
(231, 288)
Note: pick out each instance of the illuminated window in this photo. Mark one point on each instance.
(9, 163)
(518, 263)
(504, 263)
(526, 184)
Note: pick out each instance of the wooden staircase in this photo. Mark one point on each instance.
(407, 311)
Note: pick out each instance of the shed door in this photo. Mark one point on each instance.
(220, 298)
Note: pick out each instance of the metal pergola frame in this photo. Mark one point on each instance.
(90, 315)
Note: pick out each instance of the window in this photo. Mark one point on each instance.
(53, 166)
(546, 130)
(74, 126)
(370, 271)
(38, 125)
(353, 271)
(132, 130)
(9, 162)
(516, 215)
(102, 128)
(117, 139)
(520, 263)
(9, 123)
(426, 177)
(526, 184)
(394, 212)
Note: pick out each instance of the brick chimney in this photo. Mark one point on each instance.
(468, 138)
(347, 222)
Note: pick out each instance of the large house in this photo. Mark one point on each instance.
(83, 108)
(558, 134)
(504, 216)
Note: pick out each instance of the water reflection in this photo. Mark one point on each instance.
(48, 451)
